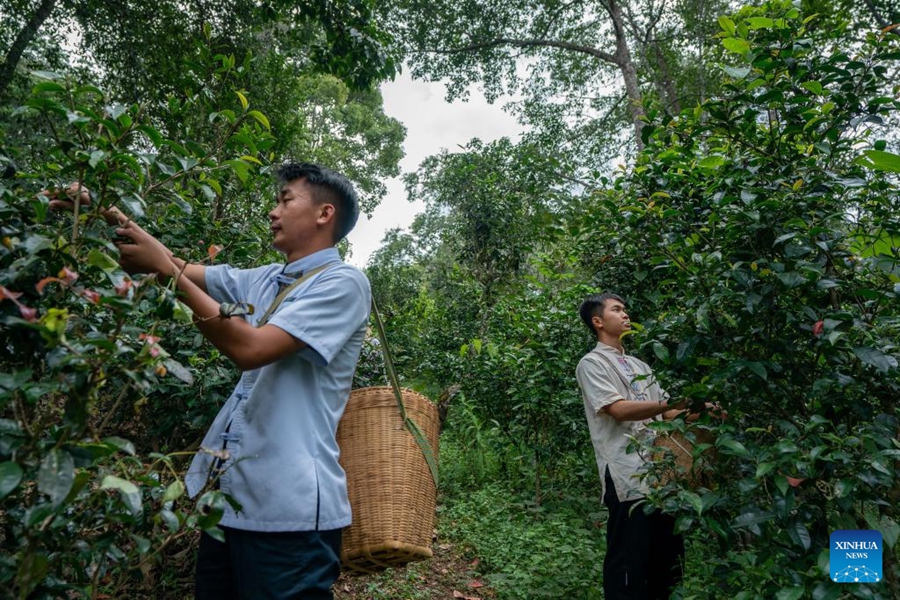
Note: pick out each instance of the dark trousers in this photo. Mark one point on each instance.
(644, 557)
(251, 565)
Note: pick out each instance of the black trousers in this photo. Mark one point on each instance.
(644, 557)
(251, 565)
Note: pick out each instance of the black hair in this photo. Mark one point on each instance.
(593, 306)
(326, 186)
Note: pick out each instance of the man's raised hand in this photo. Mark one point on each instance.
(64, 200)
(139, 252)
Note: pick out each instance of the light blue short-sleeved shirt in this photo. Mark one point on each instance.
(280, 422)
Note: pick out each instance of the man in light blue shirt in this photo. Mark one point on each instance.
(272, 447)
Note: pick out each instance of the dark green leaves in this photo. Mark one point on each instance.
(875, 358)
(10, 477)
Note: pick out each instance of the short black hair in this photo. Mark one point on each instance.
(593, 306)
(327, 186)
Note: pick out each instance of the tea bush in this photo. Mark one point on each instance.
(762, 228)
(88, 351)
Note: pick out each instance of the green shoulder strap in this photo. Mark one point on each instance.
(395, 383)
(283, 294)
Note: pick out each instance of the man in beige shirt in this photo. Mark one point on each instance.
(644, 557)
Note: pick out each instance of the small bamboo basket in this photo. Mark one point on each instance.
(392, 491)
(695, 473)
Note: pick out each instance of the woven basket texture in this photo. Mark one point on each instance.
(695, 475)
(392, 492)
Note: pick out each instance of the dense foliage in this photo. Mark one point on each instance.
(762, 229)
(106, 388)
(755, 237)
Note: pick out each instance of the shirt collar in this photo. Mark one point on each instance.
(601, 347)
(311, 261)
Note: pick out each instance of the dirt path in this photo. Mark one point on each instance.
(445, 576)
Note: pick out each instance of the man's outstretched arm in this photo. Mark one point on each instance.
(640, 410)
(247, 346)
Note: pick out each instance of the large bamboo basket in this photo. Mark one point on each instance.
(392, 491)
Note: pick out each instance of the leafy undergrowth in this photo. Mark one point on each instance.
(448, 574)
(528, 551)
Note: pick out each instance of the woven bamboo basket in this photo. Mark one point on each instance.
(392, 491)
(694, 473)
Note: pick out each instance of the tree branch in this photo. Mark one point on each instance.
(535, 43)
(879, 18)
(26, 34)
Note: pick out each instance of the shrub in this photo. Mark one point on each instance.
(84, 511)
(762, 228)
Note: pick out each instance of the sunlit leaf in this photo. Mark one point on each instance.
(243, 99)
(56, 475)
(736, 45)
(760, 23)
(880, 161)
(260, 117)
(727, 25)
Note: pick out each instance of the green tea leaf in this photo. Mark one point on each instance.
(10, 477)
(174, 491)
(880, 161)
(736, 72)
(102, 261)
(794, 593)
(736, 45)
(128, 491)
(727, 25)
(874, 357)
(760, 23)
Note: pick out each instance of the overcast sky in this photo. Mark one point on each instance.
(431, 124)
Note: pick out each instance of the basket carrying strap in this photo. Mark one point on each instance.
(427, 451)
(287, 290)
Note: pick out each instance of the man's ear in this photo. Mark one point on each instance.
(326, 213)
(597, 322)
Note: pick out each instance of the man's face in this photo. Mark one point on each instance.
(296, 217)
(614, 320)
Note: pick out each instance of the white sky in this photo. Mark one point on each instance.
(431, 125)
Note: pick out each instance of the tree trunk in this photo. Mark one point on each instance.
(25, 36)
(667, 85)
(880, 20)
(629, 73)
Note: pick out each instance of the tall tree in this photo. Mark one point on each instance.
(132, 43)
(577, 61)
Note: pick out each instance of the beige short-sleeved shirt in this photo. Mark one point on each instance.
(601, 386)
